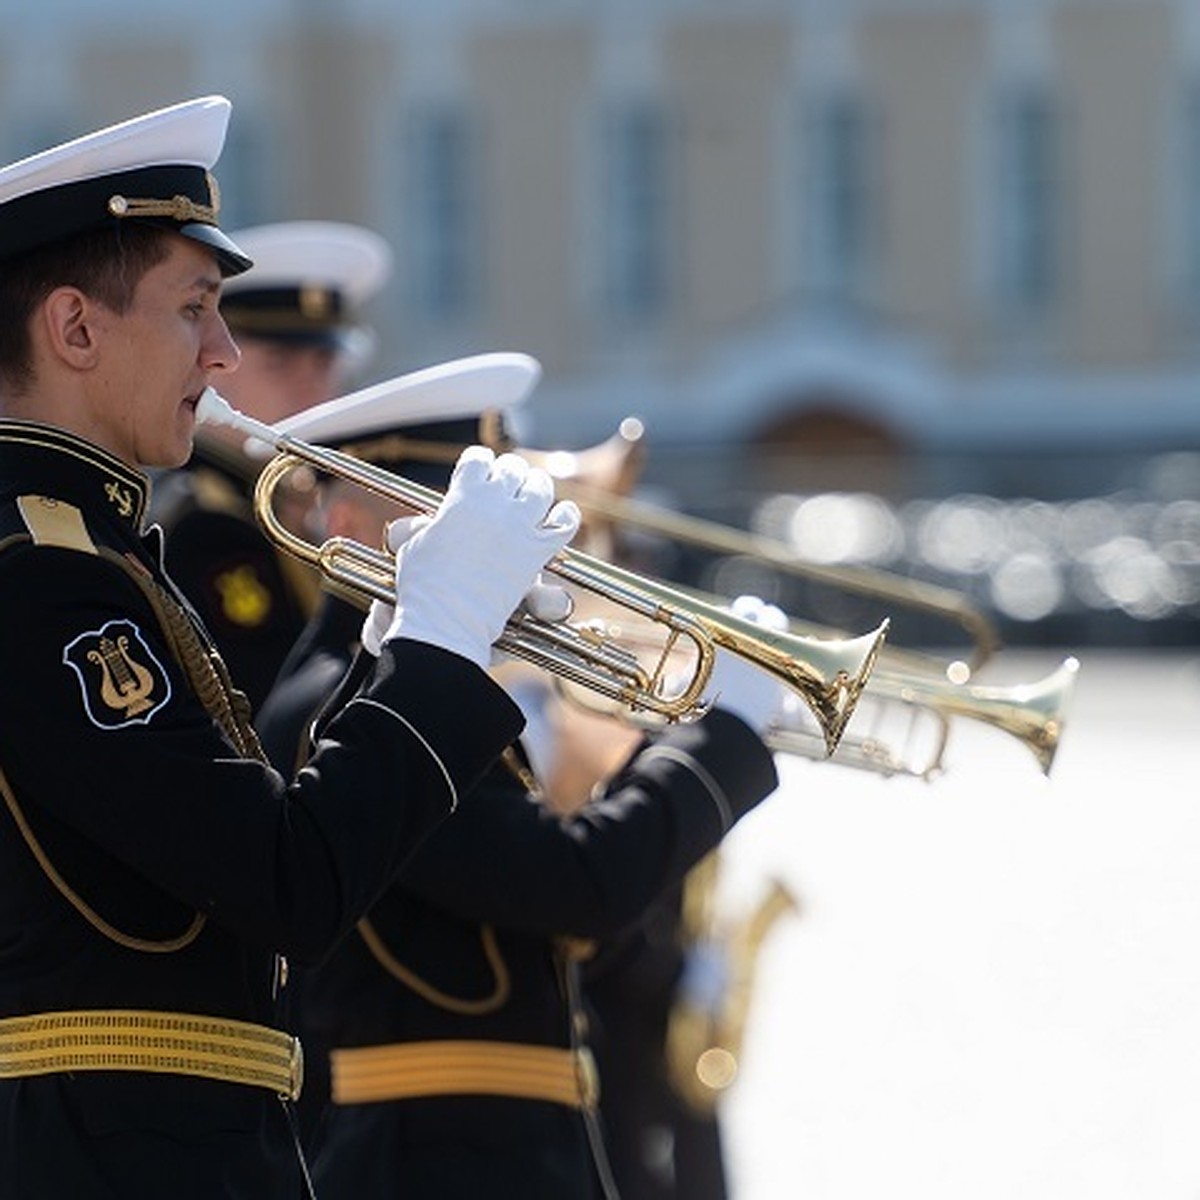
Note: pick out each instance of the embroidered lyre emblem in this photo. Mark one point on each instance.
(122, 681)
(124, 684)
(121, 497)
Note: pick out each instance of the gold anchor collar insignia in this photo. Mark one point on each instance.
(75, 470)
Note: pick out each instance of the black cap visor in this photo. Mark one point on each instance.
(230, 259)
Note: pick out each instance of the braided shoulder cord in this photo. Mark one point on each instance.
(433, 995)
(77, 902)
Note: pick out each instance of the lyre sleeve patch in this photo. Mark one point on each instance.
(122, 682)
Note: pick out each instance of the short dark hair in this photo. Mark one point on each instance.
(106, 264)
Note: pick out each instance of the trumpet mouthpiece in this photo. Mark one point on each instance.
(213, 409)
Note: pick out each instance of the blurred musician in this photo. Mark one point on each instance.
(667, 989)
(451, 1033)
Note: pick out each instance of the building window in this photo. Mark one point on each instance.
(1027, 187)
(635, 259)
(441, 237)
(838, 204)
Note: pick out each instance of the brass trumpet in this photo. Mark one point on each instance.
(828, 676)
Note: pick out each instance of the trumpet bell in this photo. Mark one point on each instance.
(827, 674)
(1034, 713)
(830, 673)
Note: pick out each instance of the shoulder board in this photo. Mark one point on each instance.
(52, 522)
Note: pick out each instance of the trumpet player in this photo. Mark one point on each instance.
(451, 1027)
(156, 869)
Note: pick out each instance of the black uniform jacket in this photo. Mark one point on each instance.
(147, 863)
(250, 598)
(466, 946)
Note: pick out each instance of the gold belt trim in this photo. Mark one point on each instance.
(161, 1042)
(364, 1074)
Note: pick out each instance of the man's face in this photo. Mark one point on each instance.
(276, 380)
(157, 358)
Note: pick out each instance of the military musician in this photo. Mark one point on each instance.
(156, 870)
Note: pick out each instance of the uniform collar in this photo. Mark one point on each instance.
(45, 460)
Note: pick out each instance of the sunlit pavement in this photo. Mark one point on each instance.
(993, 987)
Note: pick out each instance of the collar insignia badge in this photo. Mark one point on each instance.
(121, 497)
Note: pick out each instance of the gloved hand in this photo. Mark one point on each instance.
(463, 572)
(548, 601)
(740, 687)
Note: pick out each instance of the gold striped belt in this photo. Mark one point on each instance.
(160, 1042)
(364, 1074)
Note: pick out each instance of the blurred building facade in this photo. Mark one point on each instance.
(912, 248)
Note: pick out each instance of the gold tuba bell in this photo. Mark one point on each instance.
(708, 1018)
(828, 676)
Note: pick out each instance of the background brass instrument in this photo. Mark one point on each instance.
(894, 590)
(904, 717)
(707, 1022)
(828, 676)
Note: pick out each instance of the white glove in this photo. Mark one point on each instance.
(740, 687)
(463, 572)
(547, 601)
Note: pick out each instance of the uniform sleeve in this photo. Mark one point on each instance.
(505, 858)
(286, 716)
(100, 729)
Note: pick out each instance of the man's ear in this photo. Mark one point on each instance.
(68, 319)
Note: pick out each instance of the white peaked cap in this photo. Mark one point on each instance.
(455, 390)
(154, 167)
(191, 133)
(348, 259)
